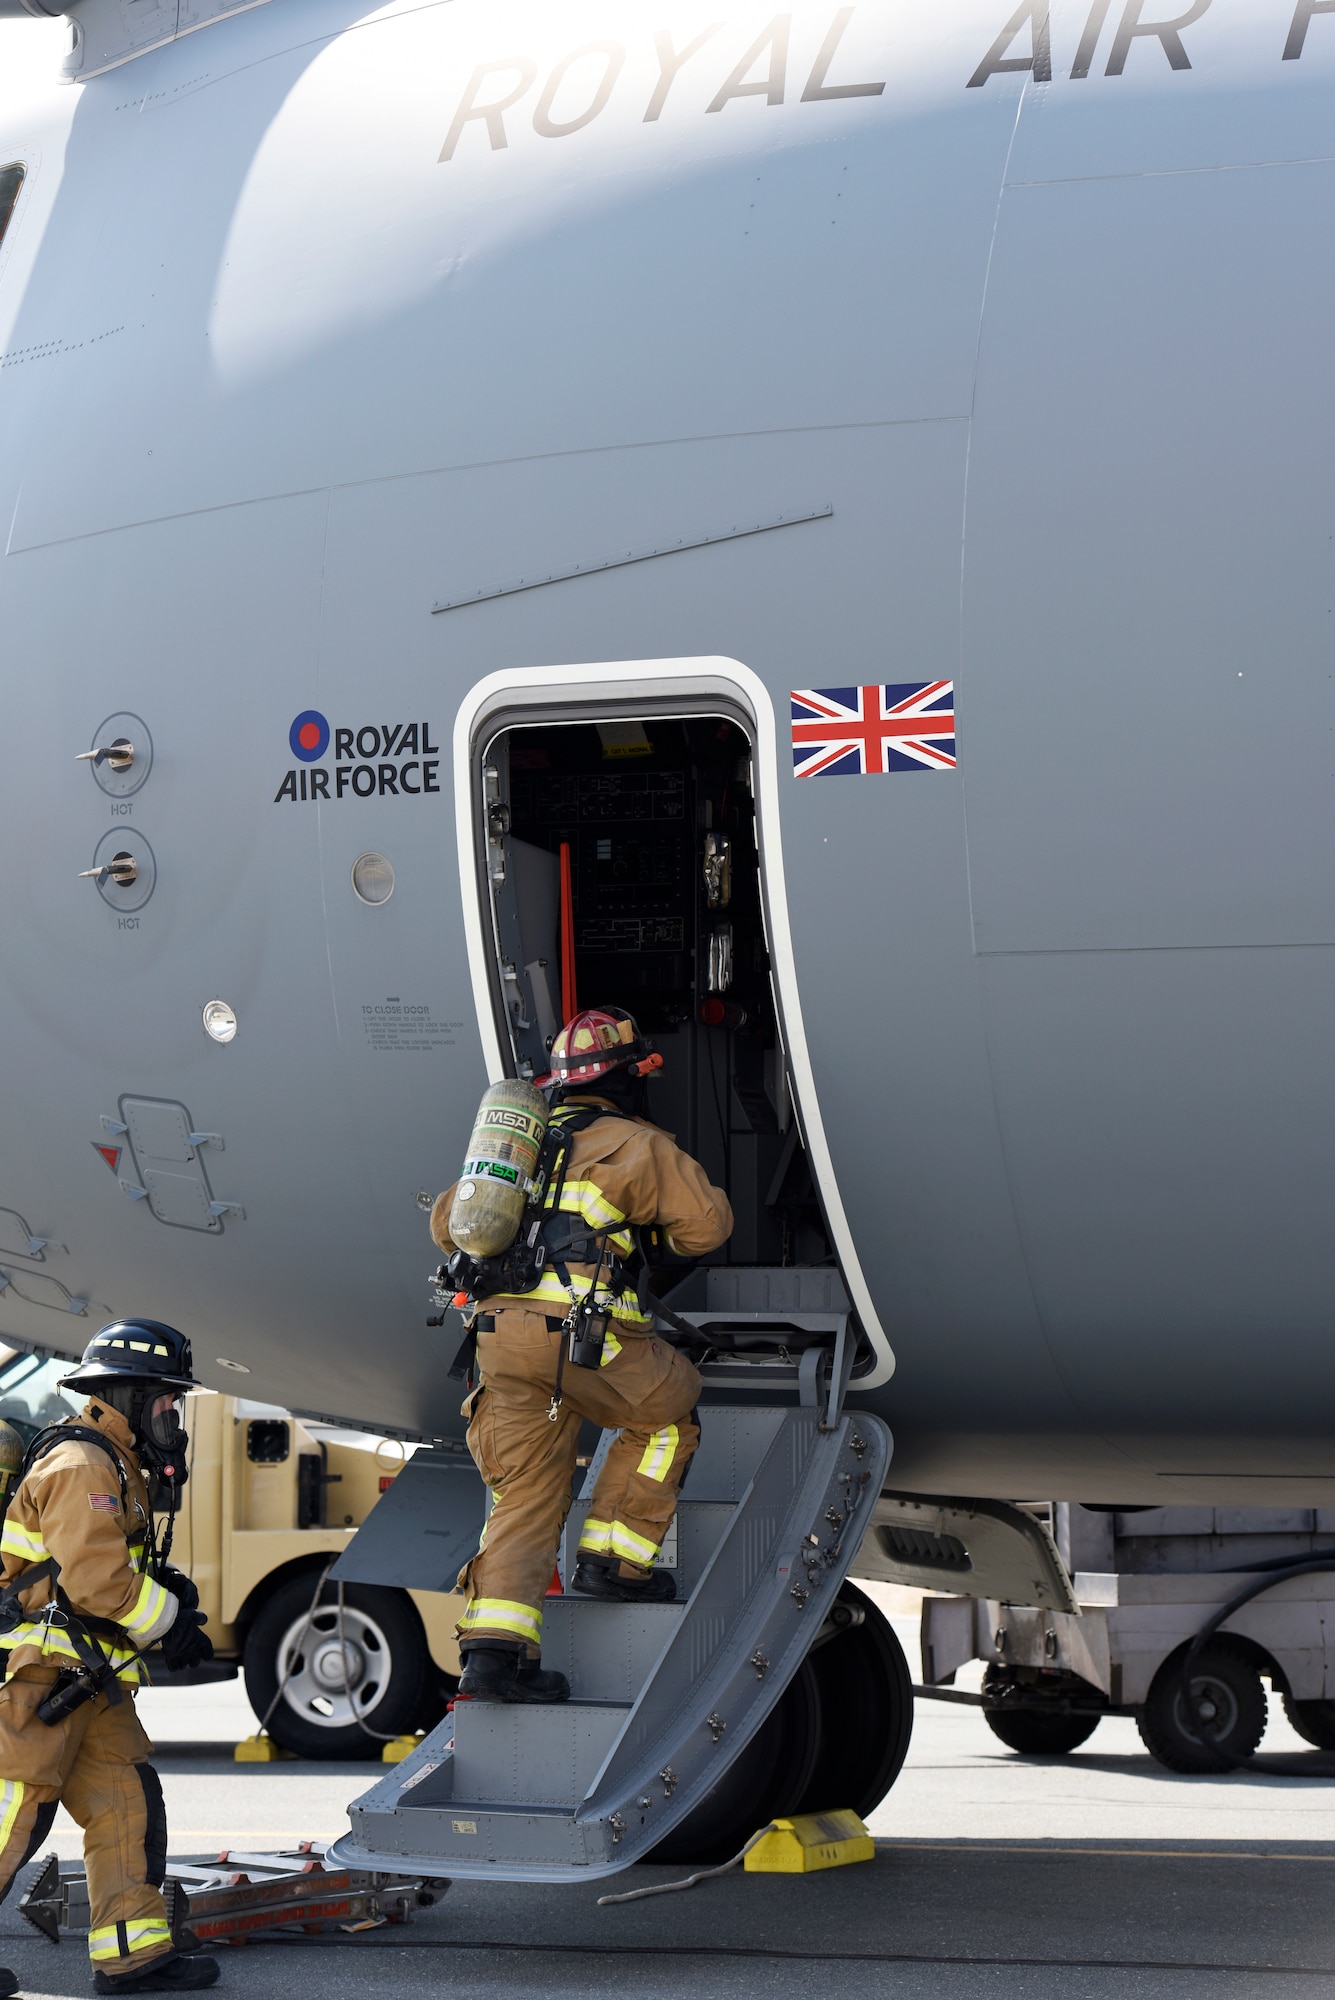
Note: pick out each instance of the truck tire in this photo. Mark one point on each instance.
(1030, 1733)
(1227, 1677)
(374, 1673)
(1313, 1720)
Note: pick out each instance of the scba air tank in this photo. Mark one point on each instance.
(498, 1168)
(12, 1449)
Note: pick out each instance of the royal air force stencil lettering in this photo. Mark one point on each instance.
(375, 760)
(581, 83)
(711, 71)
(1025, 41)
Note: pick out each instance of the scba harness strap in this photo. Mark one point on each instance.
(55, 1434)
(567, 1237)
(94, 1672)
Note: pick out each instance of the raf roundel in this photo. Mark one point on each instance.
(309, 736)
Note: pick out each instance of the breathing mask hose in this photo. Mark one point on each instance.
(164, 1554)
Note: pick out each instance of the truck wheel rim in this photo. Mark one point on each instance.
(1216, 1710)
(336, 1674)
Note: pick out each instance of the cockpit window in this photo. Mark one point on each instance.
(29, 1398)
(11, 180)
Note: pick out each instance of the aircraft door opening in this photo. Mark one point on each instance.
(623, 868)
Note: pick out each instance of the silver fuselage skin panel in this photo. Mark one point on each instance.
(314, 320)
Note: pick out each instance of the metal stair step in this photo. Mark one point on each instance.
(476, 1838)
(756, 1288)
(695, 1533)
(528, 1755)
(762, 1320)
(606, 1651)
(732, 1444)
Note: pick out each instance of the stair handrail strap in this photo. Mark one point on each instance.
(648, 1303)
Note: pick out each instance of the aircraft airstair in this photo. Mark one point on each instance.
(663, 1697)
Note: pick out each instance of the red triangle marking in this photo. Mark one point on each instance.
(111, 1154)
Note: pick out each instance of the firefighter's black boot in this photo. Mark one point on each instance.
(174, 1974)
(494, 1672)
(595, 1576)
(9, 1981)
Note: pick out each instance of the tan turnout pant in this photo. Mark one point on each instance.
(94, 1763)
(646, 1392)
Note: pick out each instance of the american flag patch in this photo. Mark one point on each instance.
(104, 1503)
(852, 732)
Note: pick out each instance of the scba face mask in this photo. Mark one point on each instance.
(165, 1440)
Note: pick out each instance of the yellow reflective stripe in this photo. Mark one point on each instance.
(550, 1291)
(611, 1348)
(148, 1607)
(586, 1198)
(50, 1639)
(145, 1931)
(141, 1934)
(16, 1541)
(613, 1538)
(633, 1547)
(597, 1538)
(501, 1614)
(11, 1801)
(659, 1453)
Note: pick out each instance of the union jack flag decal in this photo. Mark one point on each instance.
(854, 732)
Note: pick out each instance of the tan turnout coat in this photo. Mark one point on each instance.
(71, 1506)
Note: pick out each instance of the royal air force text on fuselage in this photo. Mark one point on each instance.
(503, 94)
(377, 760)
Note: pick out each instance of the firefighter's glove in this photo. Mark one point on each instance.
(182, 1587)
(186, 1644)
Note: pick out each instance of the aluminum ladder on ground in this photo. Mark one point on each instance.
(663, 1697)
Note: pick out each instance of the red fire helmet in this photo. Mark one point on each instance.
(595, 1043)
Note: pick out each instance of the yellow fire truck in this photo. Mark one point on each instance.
(331, 1670)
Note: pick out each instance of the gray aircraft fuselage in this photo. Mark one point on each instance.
(902, 347)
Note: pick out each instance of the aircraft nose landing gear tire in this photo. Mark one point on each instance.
(838, 1737)
(370, 1665)
(1230, 1706)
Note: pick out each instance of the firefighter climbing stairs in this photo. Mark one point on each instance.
(664, 1696)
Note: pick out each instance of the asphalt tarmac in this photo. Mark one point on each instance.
(1081, 1878)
